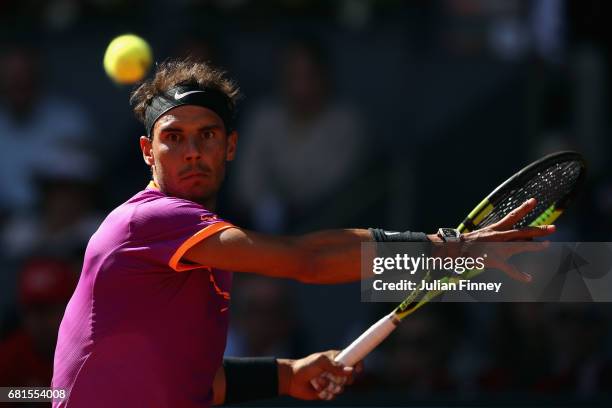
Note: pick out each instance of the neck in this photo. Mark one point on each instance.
(210, 203)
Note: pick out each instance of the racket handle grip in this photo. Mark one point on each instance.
(364, 344)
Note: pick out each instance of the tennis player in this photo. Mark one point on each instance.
(146, 326)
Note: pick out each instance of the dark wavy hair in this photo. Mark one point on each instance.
(174, 73)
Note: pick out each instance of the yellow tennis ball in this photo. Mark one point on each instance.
(127, 59)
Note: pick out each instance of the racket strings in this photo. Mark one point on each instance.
(551, 186)
(547, 186)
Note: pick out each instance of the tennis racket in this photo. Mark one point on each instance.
(553, 181)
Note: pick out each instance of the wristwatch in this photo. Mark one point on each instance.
(449, 234)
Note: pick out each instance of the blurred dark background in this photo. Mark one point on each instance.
(357, 113)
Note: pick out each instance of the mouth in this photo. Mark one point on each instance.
(194, 175)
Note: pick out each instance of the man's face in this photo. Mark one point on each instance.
(188, 153)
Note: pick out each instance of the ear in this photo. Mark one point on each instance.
(146, 145)
(232, 140)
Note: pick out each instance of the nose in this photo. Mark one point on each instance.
(192, 149)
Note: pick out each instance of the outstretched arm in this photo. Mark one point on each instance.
(322, 257)
(332, 256)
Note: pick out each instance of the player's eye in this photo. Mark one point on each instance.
(208, 134)
(173, 137)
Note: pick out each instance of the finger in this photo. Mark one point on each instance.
(515, 215)
(539, 231)
(335, 378)
(522, 247)
(523, 233)
(327, 364)
(324, 395)
(351, 377)
(512, 272)
(323, 382)
(335, 388)
(318, 383)
(335, 383)
(357, 369)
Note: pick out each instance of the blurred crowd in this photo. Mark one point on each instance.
(356, 113)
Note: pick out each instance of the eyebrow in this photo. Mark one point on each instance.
(210, 127)
(170, 129)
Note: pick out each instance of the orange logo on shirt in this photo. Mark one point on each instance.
(209, 217)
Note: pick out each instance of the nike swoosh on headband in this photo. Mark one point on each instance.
(210, 98)
(178, 95)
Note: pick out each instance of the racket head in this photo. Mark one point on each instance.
(553, 181)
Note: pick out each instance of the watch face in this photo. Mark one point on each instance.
(450, 232)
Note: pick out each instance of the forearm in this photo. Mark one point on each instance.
(335, 254)
(335, 237)
(285, 374)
